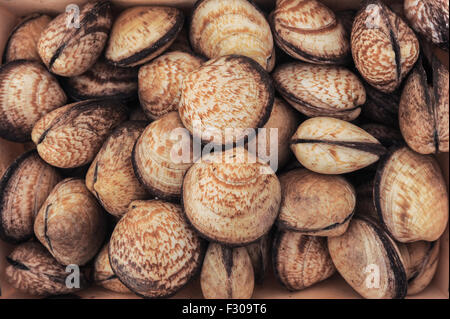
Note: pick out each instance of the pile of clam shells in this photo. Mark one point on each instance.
(360, 101)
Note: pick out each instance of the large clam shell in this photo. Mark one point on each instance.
(103, 274)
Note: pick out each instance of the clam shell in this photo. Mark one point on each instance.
(103, 274)
(384, 48)
(153, 251)
(69, 51)
(227, 273)
(71, 224)
(410, 195)
(381, 107)
(140, 34)
(224, 27)
(231, 197)
(72, 135)
(330, 146)
(309, 31)
(160, 82)
(111, 177)
(369, 260)
(31, 269)
(23, 188)
(27, 92)
(22, 42)
(231, 93)
(300, 261)
(315, 204)
(320, 90)
(259, 253)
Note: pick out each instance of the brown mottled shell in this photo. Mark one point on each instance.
(69, 51)
(423, 111)
(23, 188)
(231, 197)
(386, 135)
(260, 257)
(381, 107)
(153, 251)
(300, 261)
(228, 93)
(22, 42)
(162, 155)
(160, 82)
(309, 31)
(31, 269)
(27, 92)
(369, 260)
(315, 204)
(227, 273)
(72, 135)
(111, 176)
(331, 146)
(103, 274)
(384, 48)
(140, 34)
(410, 195)
(71, 224)
(320, 90)
(223, 27)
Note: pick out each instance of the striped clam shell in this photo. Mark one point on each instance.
(103, 274)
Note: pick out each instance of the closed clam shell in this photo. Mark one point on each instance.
(68, 50)
(308, 30)
(72, 135)
(162, 155)
(23, 188)
(103, 274)
(224, 27)
(22, 42)
(330, 146)
(381, 107)
(410, 195)
(227, 273)
(27, 92)
(160, 82)
(153, 251)
(141, 33)
(300, 261)
(111, 176)
(231, 197)
(369, 260)
(230, 93)
(320, 90)
(423, 110)
(384, 48)
(31, 269)
(71, 224)
(315, 204)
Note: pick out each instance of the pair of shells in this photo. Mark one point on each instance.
(224, 27)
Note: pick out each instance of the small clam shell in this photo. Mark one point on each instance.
(227, 273)
(300, 261)
(27, 92)
(160, 82)
(71, 224)
(381, 107)
(231, 197)
(69, 51)
(369, 260)
(230, 93)
(410, 195)
(153, 251)
(315, 204)
(31, 269)
(259, 253)
(309, 31)
(22, 42)
(140, 34)
(320, 90)
(384, 48)
(111, 176)
(103, 274)
(386, 135)
(23, 188)
(330, 146)
(72, 135)
(224, 27)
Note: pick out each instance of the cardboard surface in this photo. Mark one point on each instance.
(333, 288)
